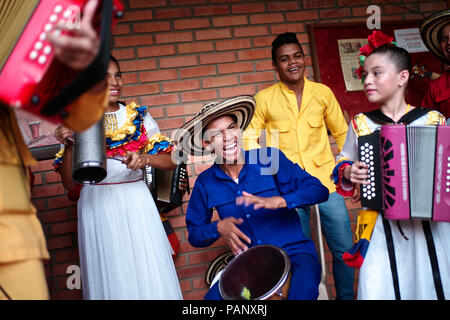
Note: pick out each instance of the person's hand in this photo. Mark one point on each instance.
(260, 202)
(234, 237)
(77, 47)
(356, 194)
(358, 172)
(64, 135)
(134, 160)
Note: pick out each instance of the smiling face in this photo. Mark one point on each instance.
(444, 40)
(223, 136)
(290, 63)
(382, 80)
(114, 80)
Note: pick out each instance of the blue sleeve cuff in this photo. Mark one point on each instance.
(335, 174)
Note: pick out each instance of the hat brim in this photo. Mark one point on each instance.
(429, 31)
(189, 136)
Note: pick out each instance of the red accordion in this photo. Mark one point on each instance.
(409, 171)
(30, 77)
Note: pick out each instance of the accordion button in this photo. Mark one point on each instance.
(48, 27)
(47, 49)
(42, 59)
(42, 36)
(58, 8)
(38, 45)
(53, 18)
(33, 55)
(67, 13)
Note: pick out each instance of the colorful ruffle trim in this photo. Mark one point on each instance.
(337, 177)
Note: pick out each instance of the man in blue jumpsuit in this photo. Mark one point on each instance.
(255, 194)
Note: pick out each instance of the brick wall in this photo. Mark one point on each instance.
(177, 55)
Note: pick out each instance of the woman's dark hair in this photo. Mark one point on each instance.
(282, 39)
(399, 56)
(113, 59)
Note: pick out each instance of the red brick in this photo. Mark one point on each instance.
(235, 67)
(37, 179)
(173, 123)
(39, 204)
(181, 85)
(198, 96)
(254, 54)
(131, 41)
(215, 82)
(178, 222)
(146, 4)
(129, 78)
(212, 34)
(307, 4)
(283, 6)
(247, 8)
(250, 31)
(174, 37)
(136, 15)
(230, 21)
(43, 165)
(199, 283)
(194, 271)
(217, 58)
(266, 18)
(173, 13)
(52, 176)
(144, 27)
(211, 11)
(180, 61)
(138, 65)
(185, 285)
(160, 99)
(64, 228)
(122, 54)
(140, 90)
(184, 24)
(180, 261)
(198, 72)
(156, 112)
(288, 27)
(204, 256)
(65, 255)
(156, 51)
(431, 6)
(181, 110)
(257, 77)
(236, 91)
(54, 216)
(302, 15)
(158, 75)
(333, 13)
(233, 44)
(195, 47)
(47, 190)
(59, 242)
(120, 29)
(60, 202)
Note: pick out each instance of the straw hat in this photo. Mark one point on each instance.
(189, 136)
(429, 31)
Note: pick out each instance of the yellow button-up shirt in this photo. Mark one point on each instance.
(301, 133)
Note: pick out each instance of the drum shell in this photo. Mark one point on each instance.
(89, 157)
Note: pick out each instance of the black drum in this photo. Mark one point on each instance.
(259, 273)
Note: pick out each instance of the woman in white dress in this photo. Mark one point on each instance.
(386, 73)
(124, 250)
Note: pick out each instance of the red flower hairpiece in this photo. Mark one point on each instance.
(376, 39)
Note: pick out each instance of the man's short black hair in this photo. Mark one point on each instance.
(282, 39)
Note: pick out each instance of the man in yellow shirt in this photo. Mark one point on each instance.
(295, 113)
(22, 241)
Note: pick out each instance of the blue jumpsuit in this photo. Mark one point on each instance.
(266, 173)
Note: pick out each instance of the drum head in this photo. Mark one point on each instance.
(255, 274)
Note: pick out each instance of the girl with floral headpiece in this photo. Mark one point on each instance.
(403, 272)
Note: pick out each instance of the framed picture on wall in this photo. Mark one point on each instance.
(326, 51)
(38, 135)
